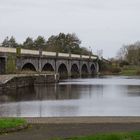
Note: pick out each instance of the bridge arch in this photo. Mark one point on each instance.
(75, 70)
(28, 67)
(48, 68)
(84, 70)
(92, 69)
(62, 70)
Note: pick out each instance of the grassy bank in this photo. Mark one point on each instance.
(112, 136)
(130, 71)
(122, 71)
(11, 124)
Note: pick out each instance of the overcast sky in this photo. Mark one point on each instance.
(101, 24)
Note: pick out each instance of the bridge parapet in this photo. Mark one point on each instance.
(29, 52)
(75, 56)
(46, 53)
(7, 50)
(85, 56)
(63, 55)
(94, 57)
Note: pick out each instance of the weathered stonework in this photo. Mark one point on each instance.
(19, 81)
(17, 60)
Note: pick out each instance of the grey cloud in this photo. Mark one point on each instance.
(102, 24)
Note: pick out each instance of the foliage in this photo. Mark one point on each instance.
(123, 63)
(108, 67)
(11, 123)
(18, 51)
(111, 136)
(130, 70)
(11, 64)
(115, 70)
(5, 42)
(65, 43)
(104, 66)
(39, 42)
(130, 53)
(10, 42)
(28, 43)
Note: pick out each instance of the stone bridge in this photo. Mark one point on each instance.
(12, 59)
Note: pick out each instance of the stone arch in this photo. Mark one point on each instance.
(84, 70)
(2, 65)
(28, 67)
(62, 70)
(47, 61)
(75, 70)
(48, 68)
(92, 69)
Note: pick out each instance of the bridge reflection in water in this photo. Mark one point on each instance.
(81, 97)
(45, 100)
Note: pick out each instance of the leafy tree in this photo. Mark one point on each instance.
(28, 43)
(5, 42)
(130, 53)
(64, 43)
(85, 51)
(10, 42)
(39, 42)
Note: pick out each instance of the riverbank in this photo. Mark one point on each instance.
(82, 120)
(51, 129)
(130, 71)
(12, 125)
(115, 68)
(13, 81)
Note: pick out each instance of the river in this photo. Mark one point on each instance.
(104, 96)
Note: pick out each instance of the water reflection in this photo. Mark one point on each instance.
(100, 97)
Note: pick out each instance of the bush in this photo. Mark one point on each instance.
(138, 72)
(123, 63)
(116, 70)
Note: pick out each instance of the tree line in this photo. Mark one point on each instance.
(130, 54)
(65, 43)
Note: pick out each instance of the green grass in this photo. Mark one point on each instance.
(6, 123)
(130, 71)
(112, 136)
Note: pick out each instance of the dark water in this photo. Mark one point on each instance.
(108, 96)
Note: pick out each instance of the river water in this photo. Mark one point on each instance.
(104, 96)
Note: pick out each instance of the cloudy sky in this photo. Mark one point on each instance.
(101, 24)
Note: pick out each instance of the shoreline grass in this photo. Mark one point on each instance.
(8, 124)
(111, 136)
(130, 73)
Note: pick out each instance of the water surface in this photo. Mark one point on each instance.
(107, 96)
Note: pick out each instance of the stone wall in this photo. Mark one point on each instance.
(24, 81)
(42, 79)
